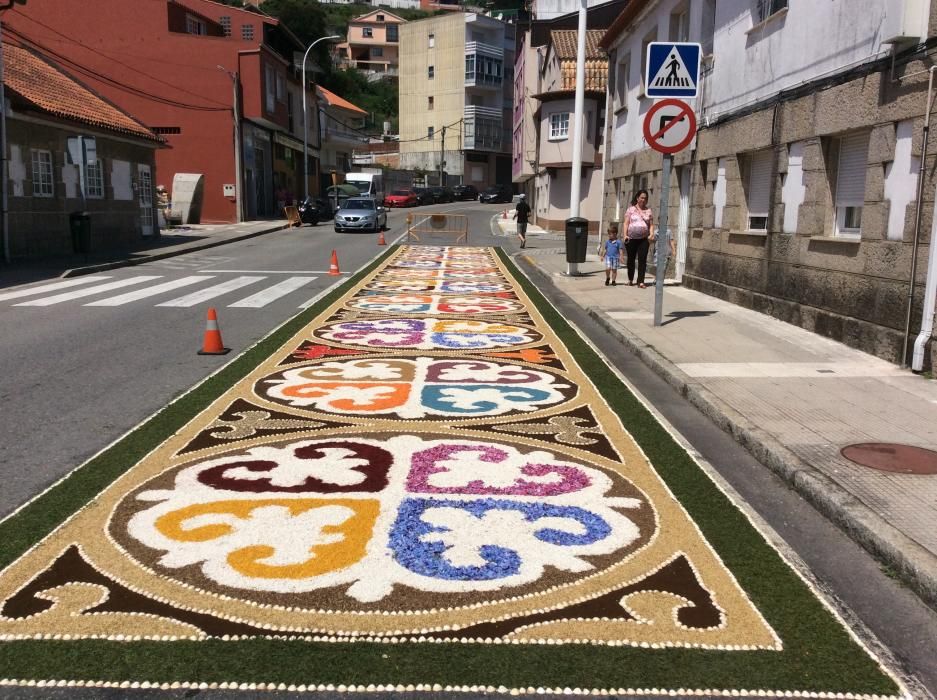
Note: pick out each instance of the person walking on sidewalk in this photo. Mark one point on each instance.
(639, 233)
(612, 253)
(522, 214)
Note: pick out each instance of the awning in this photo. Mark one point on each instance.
(291, 142)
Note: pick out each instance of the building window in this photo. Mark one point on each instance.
(380, 18)
(42, 174)
(281, 88)
(708, 27)
(622, 80)
(377, 50)
(193, 25)
(432, 40)
(430, 72)
(225, 23)
(429, 132)
(166, 130)
(851, 167)
(391, 32)
(289, 110)
(759, 190)
(247, 32)
(94, 180)
(429, 102)
(765, 8)
(651, 36)
(559, 125)
(680, 24)
(367, 32)
(270, 88)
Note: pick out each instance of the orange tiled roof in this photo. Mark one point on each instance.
(566, 41)
(334, 100)
(52, 91)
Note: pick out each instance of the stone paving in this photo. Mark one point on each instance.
(792, 397)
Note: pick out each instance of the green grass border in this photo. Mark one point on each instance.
(819, 654)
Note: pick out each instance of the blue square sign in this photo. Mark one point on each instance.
(672, 69)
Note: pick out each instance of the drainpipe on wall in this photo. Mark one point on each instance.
(4, 214)
(930, 297)
(917, 232)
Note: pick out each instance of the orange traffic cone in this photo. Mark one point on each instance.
(213, 345)
(333, 266)
(380, 239)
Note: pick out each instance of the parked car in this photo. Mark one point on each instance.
(401, 198)
(496, 193)
(463, 192)
(360, 214)
(423, 195)
(441, 194)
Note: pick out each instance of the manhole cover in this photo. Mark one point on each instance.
(891, 457)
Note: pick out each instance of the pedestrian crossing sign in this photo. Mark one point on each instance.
(672, 69)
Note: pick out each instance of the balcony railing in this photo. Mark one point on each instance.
(484, 49)
(482, 133)
(472, 111)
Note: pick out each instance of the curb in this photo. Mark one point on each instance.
(128, 262)
(911, 563)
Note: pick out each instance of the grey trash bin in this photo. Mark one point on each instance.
(577, 237)
(80, 222)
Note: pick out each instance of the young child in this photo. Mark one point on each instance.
(612, 254)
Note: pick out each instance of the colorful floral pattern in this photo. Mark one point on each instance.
(427, 334)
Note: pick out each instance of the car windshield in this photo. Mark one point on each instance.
(492, 190)
(362, 187)
(359, 204)
(401, 193)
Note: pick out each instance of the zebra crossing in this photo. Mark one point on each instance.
(105, 291)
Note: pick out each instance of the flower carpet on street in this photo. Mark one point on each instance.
(430, 481)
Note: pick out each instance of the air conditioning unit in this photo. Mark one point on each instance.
(905, 21)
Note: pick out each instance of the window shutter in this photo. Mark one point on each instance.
(850, 175)
(759, 184)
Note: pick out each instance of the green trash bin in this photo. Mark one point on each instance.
(81, 231)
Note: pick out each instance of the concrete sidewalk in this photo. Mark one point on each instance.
(175, 241)
(792, 398)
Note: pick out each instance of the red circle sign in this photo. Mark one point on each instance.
(669, 126)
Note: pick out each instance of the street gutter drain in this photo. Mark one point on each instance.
(892, 457)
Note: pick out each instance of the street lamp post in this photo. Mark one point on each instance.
(305, 128)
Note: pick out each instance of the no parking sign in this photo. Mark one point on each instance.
(669, 126)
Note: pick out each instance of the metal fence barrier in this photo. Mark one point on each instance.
(425, 227)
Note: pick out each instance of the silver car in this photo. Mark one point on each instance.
(360, 214)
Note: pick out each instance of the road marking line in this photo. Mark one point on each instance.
(269, 294)
(149, 291)
(54, 286)
(78, 294)
(277, 272)
(211, 292)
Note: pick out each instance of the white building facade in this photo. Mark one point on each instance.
(798, 196)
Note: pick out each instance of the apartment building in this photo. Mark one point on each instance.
(800, 195)
(342, 126)
(203, 72)
(456, 85)
(372, 44)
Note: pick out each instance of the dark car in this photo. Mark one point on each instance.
(496, 193)
(463, 192)
(441, 194)
(423, 195)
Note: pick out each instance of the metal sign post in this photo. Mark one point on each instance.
(660, 243)
(669, 127)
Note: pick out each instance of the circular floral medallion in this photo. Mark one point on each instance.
(415, 388)
(406, 522)
(427, 334)
(435, 304)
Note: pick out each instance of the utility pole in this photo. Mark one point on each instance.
(442, 156)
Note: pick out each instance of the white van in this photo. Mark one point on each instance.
(369, 184)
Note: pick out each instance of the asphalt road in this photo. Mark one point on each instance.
(74, 378)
